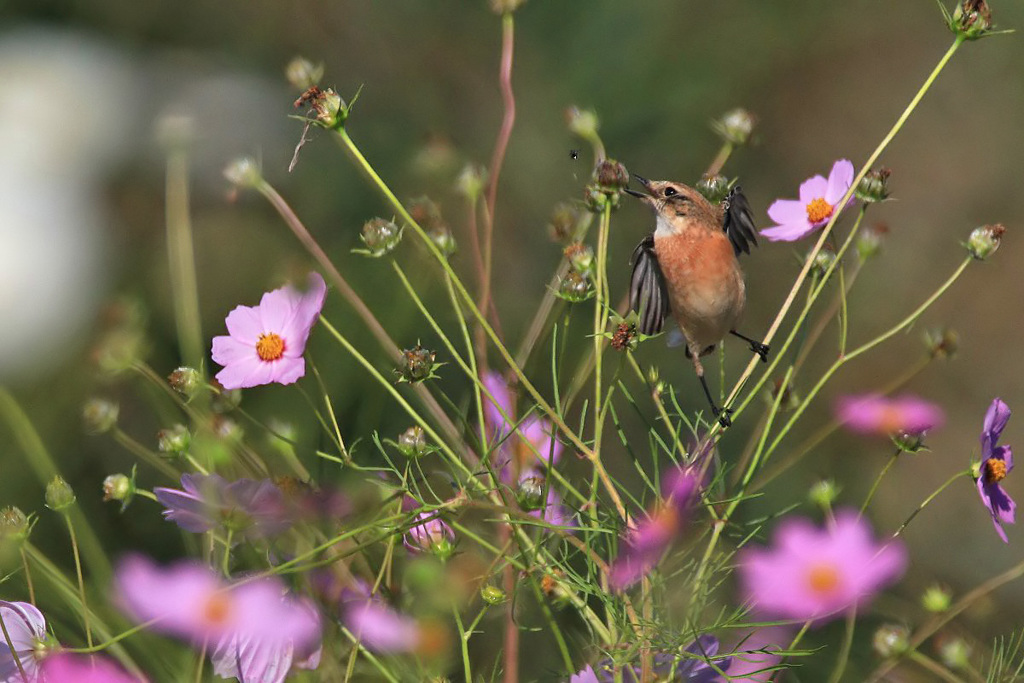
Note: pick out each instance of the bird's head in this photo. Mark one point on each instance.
(675, 204)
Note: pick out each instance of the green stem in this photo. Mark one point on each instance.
(464, 637)
(144, 454)
(933, 667)
(81, 582)
(930, 498)
(181, 257)
(844, 652)
(225, 565)
(878, 480)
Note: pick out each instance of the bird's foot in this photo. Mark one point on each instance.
(761, 350)
(723, 416)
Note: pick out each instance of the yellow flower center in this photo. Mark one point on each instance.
(823, 578)
(270, 347)
(217, 609)
(818, 210)
(995, 470)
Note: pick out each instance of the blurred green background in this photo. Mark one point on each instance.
(84, 84)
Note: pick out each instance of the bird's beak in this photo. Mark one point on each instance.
(643, 181)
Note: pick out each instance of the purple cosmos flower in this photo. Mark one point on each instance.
(797, 218)
(253, 627)
(265, 343)
(644, 545)
(695, 668)
(381, 628)
(535, 437)
(996, 463)
(29, 642)
(877, 414)
(69, 668)
(253, 507)
(430, 535)
(818, 574)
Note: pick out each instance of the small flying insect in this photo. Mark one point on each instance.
(574, 153)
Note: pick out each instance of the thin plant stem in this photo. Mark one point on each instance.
(181, 257)
(225, 565)
(28, 576)
(507, 122)
(81, 581)
(201, 661)
(878, 480)
(844, 650)
(719, 161)
(144, 454)
(930, 498)
(600, 324)
(930, 665)
(464, 637)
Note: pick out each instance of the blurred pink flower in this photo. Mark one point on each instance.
(818, 574)
(29, 642)
(877, 414)
(253, 507)
(534, 438)
(69, 668)
(265, 343)
(797, 218)
(381, 628)
(753, 660)
(996, 463)
(190, 601)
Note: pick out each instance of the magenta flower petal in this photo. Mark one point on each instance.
(788, 211)
(540, 435)
(381, 628)
(996, 417)
(267, 656)
(255, 508)
(877, 414)
(996, 463)
(839, 181)
(812, 574)
(813, 188)
(27, 628)
(69, 668)
(275, 334)
(790, 232)
(796, 219)
(504, 402)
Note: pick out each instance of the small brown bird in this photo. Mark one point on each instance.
(688, 267)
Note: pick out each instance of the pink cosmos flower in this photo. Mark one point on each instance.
(818, 574)
(253, 507)
(381, 628)
(69, 668)
(253, 627)
(265, 343)
(877, 414)
(797, 218)
(29, 642)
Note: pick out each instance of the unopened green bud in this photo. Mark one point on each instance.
(870, 239)
(303, 74)
(14, 525)
(59, 495)
(823, 260)
(909, 442)
(413, 442)
(493, 595)
(823, 493)
(99, 415)
(971, 19)
(564, 222)
(330, 109)
(417, 364)
(174, 440)
(575, 287)
(611, 176)
(936, 599)
(955, 653)
(580, 256)
(119, 350)
(530, 493)
(891, 640)
(714, 188)
(119, 487)
(942, 343)
(426, 212)
(582, 122)
(984, 241)
(380, 237)
(186, 381)
(470, 182)
(595, 200)
(873, 186)
(735, 126)
(244, 172)
(444, 239)
(226, 428)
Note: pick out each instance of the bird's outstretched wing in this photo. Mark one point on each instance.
(739, 222)
(647, 293)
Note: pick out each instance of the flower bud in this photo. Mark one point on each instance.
(611, 176)
(936, 599)
(244, 173)
(823, 260)
(530, 492)
(119, 487)
(580, 257)
(444, 239)
(417, 364)
(186, 381)
(303, 74)
(942, 343)
(823, 493)
(910, 442)
(431, 535)
(955, 653)
(872, 187)
(624, 336)
(224, 400)
(714, 188)
(226, 428)
(563, 226)
(891, 640)
(413, 442)
(470, 183)
(582, 122)
(869, 241)
(119, 350)
(380, 237)
(14, 525)
(99, 415)
(971, 19)
(595, 199)
(493, 595)
(59, 495)
(331, 111)
(575, 287)
(984, 241)
(735, 126)
(174, 440)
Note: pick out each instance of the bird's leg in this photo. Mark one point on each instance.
(721, 413)
(755, 346)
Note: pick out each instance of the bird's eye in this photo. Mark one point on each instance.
(670, 191)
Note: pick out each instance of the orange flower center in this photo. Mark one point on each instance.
(217, 609)
(818, 210)
(270, 347)
(823, 578)
(891, 420)
(995, 470)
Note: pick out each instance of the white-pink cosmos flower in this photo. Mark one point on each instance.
(797, 218)
(265, 343)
